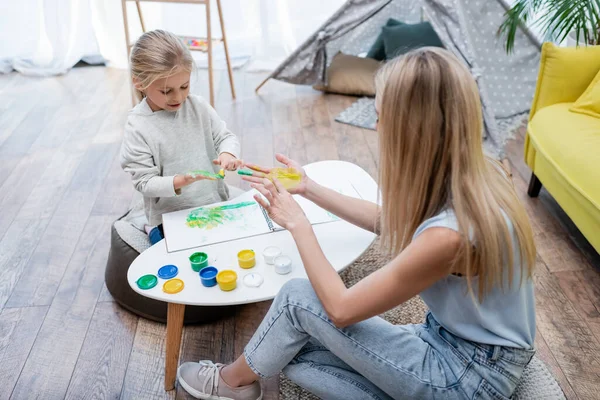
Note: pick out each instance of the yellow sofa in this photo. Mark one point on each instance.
(562, 147)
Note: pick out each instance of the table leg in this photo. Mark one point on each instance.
(174, 329)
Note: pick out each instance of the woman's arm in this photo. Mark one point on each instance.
(361, 213)
(420, 265)
(426, 260)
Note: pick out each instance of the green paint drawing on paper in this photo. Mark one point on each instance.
(208, 174)
(211, 217)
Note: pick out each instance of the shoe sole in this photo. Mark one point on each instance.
(203, 396)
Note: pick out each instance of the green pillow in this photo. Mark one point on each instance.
(401, 39)
(377, 51)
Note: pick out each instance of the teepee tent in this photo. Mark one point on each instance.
(468, 28)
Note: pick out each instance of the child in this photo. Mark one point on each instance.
(459, 237)
(171, 132)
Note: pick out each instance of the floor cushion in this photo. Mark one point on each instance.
(351, 75)
(128, 240)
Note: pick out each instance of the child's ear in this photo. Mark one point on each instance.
(136, 83)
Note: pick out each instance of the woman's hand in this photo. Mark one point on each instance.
(228, 161)
(280, 205)
(259, 173)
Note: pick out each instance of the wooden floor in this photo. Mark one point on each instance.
(61, 187)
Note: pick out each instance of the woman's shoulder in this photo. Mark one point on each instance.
(444, 219)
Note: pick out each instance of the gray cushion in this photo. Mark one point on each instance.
(128, 240)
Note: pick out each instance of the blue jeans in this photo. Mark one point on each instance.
(374, 359)
(156, 234)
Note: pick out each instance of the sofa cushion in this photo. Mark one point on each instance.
(571, 142)
(589, 102)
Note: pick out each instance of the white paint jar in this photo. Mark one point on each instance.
(270, 254)
(283, 265)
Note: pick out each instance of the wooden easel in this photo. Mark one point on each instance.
(205, 44)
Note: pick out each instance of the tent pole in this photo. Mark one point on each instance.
(262, 84)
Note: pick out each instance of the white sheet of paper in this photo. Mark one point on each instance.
(214, 223)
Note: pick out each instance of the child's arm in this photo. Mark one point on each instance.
(137, 160)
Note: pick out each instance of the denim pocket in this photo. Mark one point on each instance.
(453, 343)
(487, 391)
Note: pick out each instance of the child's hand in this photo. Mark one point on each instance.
(183, 180)
(228, 161)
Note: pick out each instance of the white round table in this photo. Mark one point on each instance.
(341, 242)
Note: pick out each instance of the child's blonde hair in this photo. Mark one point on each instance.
(431, 158)
(156, 55)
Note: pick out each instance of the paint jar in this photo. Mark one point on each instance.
(253, 280)
(167, 272)
(199, 260)
(283, 265)
(246, 259)
(227, 280)
(173, 286)
(270, 254)
(147, 282)
(208, 276)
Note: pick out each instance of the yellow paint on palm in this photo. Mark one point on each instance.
(288, 177)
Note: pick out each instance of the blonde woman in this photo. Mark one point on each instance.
(171, 132)
(460, 239)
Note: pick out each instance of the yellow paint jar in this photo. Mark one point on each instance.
(227, 280)
(173, 286)
(246, 259)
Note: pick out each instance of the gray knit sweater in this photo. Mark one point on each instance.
(159, 145)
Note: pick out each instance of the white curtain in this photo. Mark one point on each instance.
(48, 37)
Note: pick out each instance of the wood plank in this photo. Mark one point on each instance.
(553, 244)
(16, 249)
(544, 353)
(248, 319)
(201, 342)
(288, 138)
(60, 237)
(350, 140)
(145, 373)
(31, 223)
(573, 344)
(257, 136)
(58, 344)
(104, 354)
(18, 329)
(575, 290)
(27, 173)
(316, 125)
(105, 296)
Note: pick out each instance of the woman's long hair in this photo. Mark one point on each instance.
(431, 159)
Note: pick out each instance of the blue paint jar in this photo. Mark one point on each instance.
(208, 276)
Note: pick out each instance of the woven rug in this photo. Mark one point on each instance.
(411, 312)
(362, 114)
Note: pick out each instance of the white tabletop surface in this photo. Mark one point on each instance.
(341, 242)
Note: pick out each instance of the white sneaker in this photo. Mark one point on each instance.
(203, 381)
